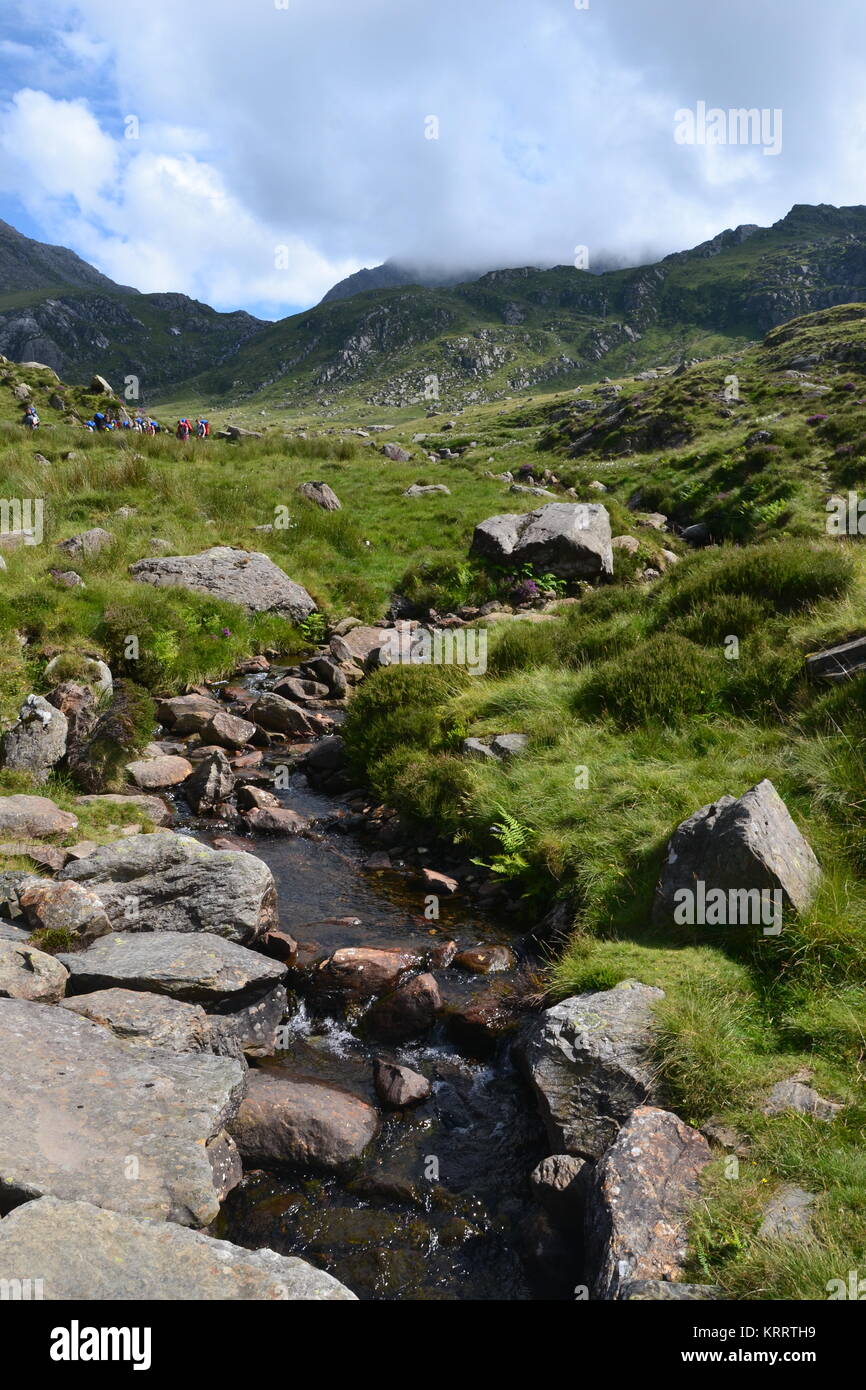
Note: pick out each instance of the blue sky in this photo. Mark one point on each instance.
(280, 146)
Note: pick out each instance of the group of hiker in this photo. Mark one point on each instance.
(140, 424)
(185, 428)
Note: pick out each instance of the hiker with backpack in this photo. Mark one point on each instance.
(31, 419)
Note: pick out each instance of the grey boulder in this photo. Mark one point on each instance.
(589, 1061)
(26, 973)
(568, 539)
(153, 1020)
(37, 742)
(247, 578)
(242, 989)
(323, 496)
(168, 882)
(638, 1201)
(739, 845)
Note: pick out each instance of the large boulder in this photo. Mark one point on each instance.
(568, 539)
(228, 731)
(85, 1253)
(37, 742)
(168, 882)
(638, 1200)
(242, 987)
(33, 815)
(301, 1122)
(737, 846)
(589, 1061)
(153, 774)
(87, 1117)
(26, 973)
(247, 578)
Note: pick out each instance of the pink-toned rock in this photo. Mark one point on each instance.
(271, 820)
(33, 815)
(164, 771)
(356, 974)
(440, 883)
(638, 1202)
(65, 907)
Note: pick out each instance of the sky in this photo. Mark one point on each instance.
(251, 153)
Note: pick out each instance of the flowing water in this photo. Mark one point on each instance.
(440, 1207)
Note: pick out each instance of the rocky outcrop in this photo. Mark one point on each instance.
(298, 1122)
(188, 714)
(737, 846)
(571, 540)
(590, 1064)
(37, 742)
(167, 882)
(247, 578)
(638, 1200)
(87, 544)
(86, 1253)
(86, 1117)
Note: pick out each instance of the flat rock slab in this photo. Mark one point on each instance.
(738, 845)
(167, 882)
(152, 1020)
(638, 1199)
(247, 578)
(86, 1117)
(590, 1063)
(84, 1252)
(33, 815)
(152, 808)
(199, 968)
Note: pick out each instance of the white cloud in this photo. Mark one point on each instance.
(305, 127)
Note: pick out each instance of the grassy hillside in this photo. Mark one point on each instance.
(635, 714)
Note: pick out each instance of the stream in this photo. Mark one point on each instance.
(440, 1207)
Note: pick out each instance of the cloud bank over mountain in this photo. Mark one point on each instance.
(252, 154)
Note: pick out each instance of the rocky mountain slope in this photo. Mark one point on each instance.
(519, 329)
(58, 310)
